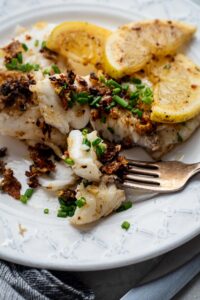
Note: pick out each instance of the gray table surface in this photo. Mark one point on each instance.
(112, 284)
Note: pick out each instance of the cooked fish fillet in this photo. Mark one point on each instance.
(101, 200)
(86, 164)
(20, 115)
(53, 111)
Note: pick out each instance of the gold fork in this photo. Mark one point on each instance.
(162, 177)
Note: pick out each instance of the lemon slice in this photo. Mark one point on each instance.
(177, 93)
(80, 42)
(129, 48)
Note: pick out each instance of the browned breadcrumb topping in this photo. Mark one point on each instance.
(115, 166)
(64, 87)
(49, 54)
(15, 90)
(46, 128)
(12, 50)
(144, 125)
(67, 195)
(9, 184)
(112, 162)
(42, 164)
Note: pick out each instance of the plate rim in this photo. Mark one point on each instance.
(122, 261)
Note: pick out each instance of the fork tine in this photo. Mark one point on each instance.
(140, 186)
(142, 179)
(144, 164)
(143, 171)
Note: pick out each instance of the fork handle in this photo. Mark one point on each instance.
(196, 168)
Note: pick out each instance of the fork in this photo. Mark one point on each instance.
(162, 177)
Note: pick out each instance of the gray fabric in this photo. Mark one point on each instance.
(21, 283)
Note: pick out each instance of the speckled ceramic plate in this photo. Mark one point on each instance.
(29, 237)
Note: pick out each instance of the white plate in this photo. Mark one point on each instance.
(157, 225)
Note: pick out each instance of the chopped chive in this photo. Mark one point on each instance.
(85, 131)
(82, 100)
(125, 225)
(16, 65)
(23, 199)
(46, 72)
(36, 43)
(116, 91)
(179, 138)
(111, 105)
(36, 67)
(61, 214)
(113, 83)
(137, 111)
(96, 142)
(80, 202)
(46, 211)
(125, 87)
(86, 142)
(20, 58)
(134, 95)
(69, 161)
(55, 69)
(136, 80)
(95, 101)
(100, 149)
(43, 44)
(111, 130)
(28, 193)
(103, 119)
(125, 206)
(120, 101)
(25, 47)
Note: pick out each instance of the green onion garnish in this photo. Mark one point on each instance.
(125, 206)
(86, 142)
(95, 102)
(46, 72)
(80, 202)
(136, 80)
(96, 142)
(27, 195)
(125, 87)
(100, 149)
(111, 105)
(113, 83)
(120, 101)
(46, 211)
(61, 214)
(55, 69)
(116, 91)
(15, 65)
(25, 47)
(137, 111)
(20, 58)
(125, 225)
(69, 161)
(85, 131)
